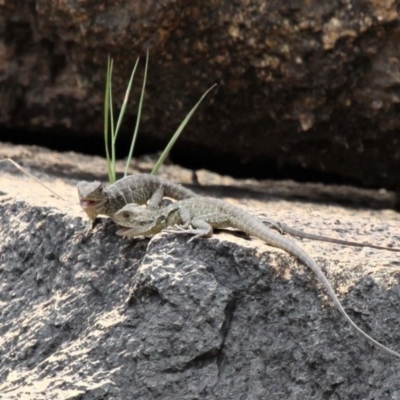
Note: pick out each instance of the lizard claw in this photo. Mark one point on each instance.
(84, 231)
(273, 225)
(193, 238)
(177, 229)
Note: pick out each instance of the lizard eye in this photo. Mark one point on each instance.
(126, 215)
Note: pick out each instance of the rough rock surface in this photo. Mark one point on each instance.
(223, 318)
(310, 85)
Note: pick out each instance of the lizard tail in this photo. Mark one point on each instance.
(254, 227)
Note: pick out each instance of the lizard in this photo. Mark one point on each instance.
(198, 217)
(96, 199)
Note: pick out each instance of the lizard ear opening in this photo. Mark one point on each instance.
(161, 219)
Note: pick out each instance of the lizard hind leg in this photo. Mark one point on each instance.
(271, 224)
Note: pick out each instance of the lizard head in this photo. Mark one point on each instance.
(91, 197)
(139, 221)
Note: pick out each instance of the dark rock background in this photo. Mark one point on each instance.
(307, 90)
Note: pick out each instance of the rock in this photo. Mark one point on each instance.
(221, 318)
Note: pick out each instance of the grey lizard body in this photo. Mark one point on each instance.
(198, 217)
(96, 199)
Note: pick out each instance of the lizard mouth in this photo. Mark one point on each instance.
(123, 231)
(88, 203)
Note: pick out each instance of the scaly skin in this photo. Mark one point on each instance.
(96, 199)
(204, 214)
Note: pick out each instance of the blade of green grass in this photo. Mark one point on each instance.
(107, 118)
(174, 138)
(139, 114)
(112, 126)
(125, 102)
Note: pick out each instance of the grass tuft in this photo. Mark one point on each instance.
(111, 131)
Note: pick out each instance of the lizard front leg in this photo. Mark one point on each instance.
(89, 226)
(200, 228)
(156, 198)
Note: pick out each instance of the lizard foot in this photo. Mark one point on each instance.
(273, 225)
(84, 231)
(181, 230)
(178, 230)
